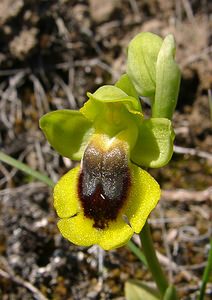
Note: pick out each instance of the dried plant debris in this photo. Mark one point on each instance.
(22, 44)
(9, 9)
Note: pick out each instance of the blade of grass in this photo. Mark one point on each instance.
(206, 274)
(210, 102)
(25, 168)
(135, 250)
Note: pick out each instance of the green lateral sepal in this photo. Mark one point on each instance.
(68, 132)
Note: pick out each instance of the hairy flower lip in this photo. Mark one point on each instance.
(104, 180)
(143, 196)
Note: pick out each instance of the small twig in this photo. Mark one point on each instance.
(191, 151)
(135, 9)
(18, 280)
(165, 261)
(189, 12)
(195, 57)
(191, 234)
(40, 95)
(210, 102)
(96, 62)
(67, 91)
(10, 72)
(40, 158)
(28, 189)
(182, 195)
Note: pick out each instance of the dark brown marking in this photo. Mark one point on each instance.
(104, 183)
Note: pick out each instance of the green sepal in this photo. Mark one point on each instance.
(68, 132)
(154, 146)
(141, 65)
(125, 84)
(167, 80)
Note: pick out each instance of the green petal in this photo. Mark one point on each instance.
(144, 196)
(112, 111)
(141, 65)
(110, 93)
(67, 131)
(154, 146)
(105, 95)
(66, 201)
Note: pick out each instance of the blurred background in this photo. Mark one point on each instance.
(51, 54)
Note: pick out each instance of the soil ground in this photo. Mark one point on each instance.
(51, 54)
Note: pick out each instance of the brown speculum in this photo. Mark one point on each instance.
(104, 181)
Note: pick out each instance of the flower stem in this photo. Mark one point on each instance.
(152, 260)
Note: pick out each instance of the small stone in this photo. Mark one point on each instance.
(101, 10)
(9, 9)
(21, 45)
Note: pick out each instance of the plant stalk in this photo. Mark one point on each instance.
(152, 261)
(206, 274)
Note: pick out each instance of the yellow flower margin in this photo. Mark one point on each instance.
(143, 196)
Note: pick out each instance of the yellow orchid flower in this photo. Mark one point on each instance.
(108, 197)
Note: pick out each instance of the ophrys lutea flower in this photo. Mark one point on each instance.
(108, 196)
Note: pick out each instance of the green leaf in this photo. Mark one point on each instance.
(67, 131)
(137, 251)
(154, 146)
(167, 80)
(138, 290)
(206, 274)
(170, 293)
(125, 84)
(141, 65)
(25, 168)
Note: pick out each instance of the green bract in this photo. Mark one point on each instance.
(167, 80)
(142, 58)
(112, 112)
(153, 71)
